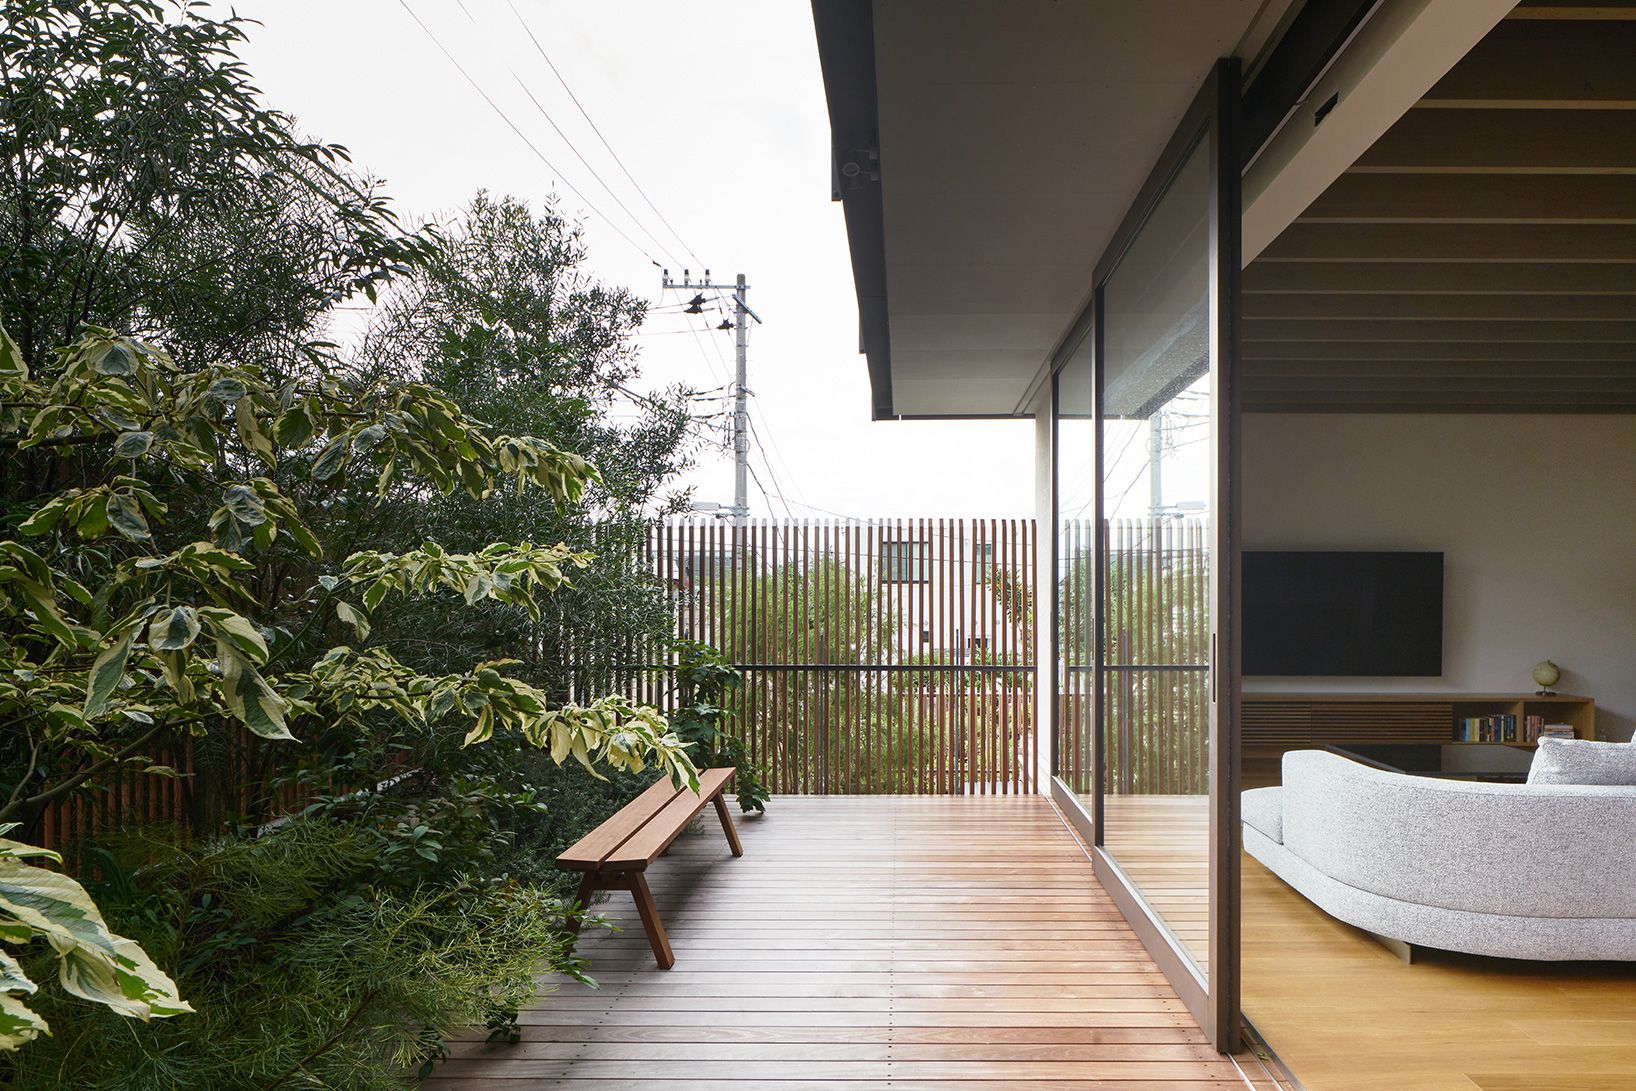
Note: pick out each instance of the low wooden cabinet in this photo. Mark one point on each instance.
(1274, 723)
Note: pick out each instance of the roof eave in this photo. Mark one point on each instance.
(846, 54)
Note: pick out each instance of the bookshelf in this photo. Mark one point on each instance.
(1273, 723)
(1577, 712)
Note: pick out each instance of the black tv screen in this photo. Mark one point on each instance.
(1343, 613)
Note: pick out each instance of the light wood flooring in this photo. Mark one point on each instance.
(866, 943)
(1345, 1014)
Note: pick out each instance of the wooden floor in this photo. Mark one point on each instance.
(1345, 1014)
(866, 943)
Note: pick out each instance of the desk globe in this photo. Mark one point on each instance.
(1546, 674)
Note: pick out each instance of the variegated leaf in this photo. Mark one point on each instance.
(248, 695)
(174, 629)
(19, 1024)
(129, 982)
(12, 977)
(353, 617)
(106, 674)
(237, 631)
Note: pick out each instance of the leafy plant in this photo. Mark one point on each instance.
(177, 638)
(182, 637)
(145, 186)
(700, 719)
(92, 962)
(325, 576)
(507, 318)
(312, 962)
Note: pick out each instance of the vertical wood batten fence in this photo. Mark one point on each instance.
(207, 783)
(891, 656)
(1155, 702)
(888, 656)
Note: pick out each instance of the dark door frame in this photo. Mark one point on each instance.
(1214, 121)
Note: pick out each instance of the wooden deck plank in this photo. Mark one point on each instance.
(860, 944)
(833, 1051)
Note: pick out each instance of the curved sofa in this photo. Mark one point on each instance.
(1510, 870)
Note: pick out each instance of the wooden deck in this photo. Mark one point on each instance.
(1163, 843)
(867, 943)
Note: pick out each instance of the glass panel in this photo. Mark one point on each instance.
(1155, 485)
(1075, 467)
(905, 562)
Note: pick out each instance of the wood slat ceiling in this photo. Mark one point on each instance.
(1481, 257)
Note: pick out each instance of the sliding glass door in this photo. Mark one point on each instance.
(1159, 690)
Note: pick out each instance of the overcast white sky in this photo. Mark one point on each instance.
(718, 111)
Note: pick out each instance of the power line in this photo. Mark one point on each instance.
(755, 437)
(583, 113)
(829, 511)
(710, 364)
(765, 461)
(599, 181)
(706, 329)
(1118, 458)
(788, 514)
(512, 125)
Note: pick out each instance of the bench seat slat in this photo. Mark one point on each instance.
(589, 851)
(644, 846)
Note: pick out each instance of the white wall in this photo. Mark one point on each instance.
(1045, 568)
(1535, 515)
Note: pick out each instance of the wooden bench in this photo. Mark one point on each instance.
(615, 854)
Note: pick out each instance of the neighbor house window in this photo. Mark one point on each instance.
(982, 561)
(905, 562)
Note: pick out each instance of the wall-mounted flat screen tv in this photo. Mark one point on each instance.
(1320, 613)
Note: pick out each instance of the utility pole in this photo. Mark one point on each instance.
(1155, 463)
(740, 511)
(741, 407)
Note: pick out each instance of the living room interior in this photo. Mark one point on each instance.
(1438, 357)
(1436, 505)
(1532, 515)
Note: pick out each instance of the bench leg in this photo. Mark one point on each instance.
(651, 923)
(587, 886)
(727, 825)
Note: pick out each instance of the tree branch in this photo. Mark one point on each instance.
(51, 795)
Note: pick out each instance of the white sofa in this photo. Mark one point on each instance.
(1510, 870)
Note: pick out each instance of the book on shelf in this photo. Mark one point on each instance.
(1508, 727)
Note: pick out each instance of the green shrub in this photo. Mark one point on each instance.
(306, 966)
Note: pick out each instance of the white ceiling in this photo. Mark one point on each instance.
(1014, 136)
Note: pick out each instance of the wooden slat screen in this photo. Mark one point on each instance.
(1155, 703)
(883, 656)
(889, 656)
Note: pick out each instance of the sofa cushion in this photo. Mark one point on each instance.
(1263, 808)
(1580, 761)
